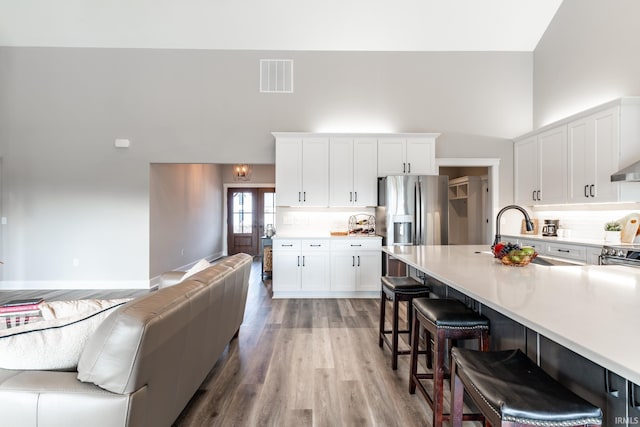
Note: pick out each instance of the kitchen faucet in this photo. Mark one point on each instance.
(527, 221)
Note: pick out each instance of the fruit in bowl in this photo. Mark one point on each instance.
(512, 254)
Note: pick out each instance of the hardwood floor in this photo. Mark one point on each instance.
(296, 363)
(306, 363)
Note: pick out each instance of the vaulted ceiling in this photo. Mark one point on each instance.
(334, 25)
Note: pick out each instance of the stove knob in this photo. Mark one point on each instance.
(621, 253)
(612, 251)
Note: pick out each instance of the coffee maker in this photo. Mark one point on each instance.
(550, 228)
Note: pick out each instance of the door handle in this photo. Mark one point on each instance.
(607, 385)
(304, 196)
(353, 261)
(632, 396)
(566, 251)
(538, 194)
(585, 191)
(350, 196)
(533, 195)
(303, 260)
(356, 194)
(358, 260)
(315, 246)
(298, 260)
(356, 246)
(591, 188)
(409, 169)
(404, 168)
(299, 197)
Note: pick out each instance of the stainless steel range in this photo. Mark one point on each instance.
(620, 255)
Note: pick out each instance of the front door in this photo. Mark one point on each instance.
(249, 209)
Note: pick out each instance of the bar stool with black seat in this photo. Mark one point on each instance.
(397, 289)
(444, 320)
(511, 390)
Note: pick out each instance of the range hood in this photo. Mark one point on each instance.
(629, 174)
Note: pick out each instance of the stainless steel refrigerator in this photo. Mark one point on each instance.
(413, 210)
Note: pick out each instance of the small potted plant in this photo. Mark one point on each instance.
(612, 232)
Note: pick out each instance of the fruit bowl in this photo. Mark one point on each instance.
(512, 254)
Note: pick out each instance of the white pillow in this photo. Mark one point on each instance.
(59, 309)
(198, 267)
(52, 344)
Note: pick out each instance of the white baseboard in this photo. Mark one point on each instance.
(73, 284)
(325, 294)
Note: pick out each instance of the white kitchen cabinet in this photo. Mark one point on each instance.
(302, 171)
(540, 168)
(593, 156)
(593, 255)
(356, 264)
(300, 265)
(407, 155)
(353, 172)
(575, 157)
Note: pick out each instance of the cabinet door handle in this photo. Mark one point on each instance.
(409, 169)
(353, 261)
(632, 396)
(404, 168)
(356, 246)
(592, 187)
(350, 196)
(299, 197)
(315, 246)
(287, 246)
(607, 385)
(303, 260)
(298, 260)
(533, 195)
(585, 191)
(304, 196)
(538, 195)
(356, 194)
(358, 260)
(567, 251)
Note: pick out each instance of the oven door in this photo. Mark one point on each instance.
(606, 260)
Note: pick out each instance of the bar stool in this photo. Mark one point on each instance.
(398, 289)
(442, 319)
(509, 389)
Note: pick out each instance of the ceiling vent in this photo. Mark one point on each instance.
(276, 75)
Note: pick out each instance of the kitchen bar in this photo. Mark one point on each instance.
(591, 310)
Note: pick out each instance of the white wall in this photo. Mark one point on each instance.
(185, 212)
(588, 55)
(69, 194)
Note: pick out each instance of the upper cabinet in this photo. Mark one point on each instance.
(302, 171)
(571, 161)
(540, 168)
(407, 155)
(341, 170)
(353, 172)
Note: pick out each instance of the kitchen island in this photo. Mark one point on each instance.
(591, 310)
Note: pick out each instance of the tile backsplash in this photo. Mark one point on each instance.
(315, 222)
(587, 222)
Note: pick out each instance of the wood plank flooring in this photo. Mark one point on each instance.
(296, 363)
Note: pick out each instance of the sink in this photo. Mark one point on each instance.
(543, 260)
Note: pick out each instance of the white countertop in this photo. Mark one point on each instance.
(593, 310)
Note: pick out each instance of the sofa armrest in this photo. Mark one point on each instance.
(170, 278)
(52, 398)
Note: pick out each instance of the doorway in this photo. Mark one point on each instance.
(249, 210)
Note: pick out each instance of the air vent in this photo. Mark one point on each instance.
(276, 75)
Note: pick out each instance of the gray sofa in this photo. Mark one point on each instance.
(143, 363)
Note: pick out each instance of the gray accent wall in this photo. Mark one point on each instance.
(590, 54)
(78, 209)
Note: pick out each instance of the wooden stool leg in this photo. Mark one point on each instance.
(415, 346)
(457, 394)
(438, 378)
(394, 336)
(383, 301)
(427, 339)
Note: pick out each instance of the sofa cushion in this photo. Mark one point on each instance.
(55, 343)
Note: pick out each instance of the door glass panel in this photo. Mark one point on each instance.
(269, 209)
(242, 213)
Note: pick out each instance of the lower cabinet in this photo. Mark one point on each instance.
(356, 265)
(348, 267)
